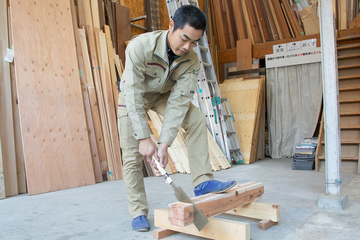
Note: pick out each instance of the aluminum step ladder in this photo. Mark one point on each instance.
(207, 97)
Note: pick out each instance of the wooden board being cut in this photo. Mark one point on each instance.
(245, 98)
(54, 133)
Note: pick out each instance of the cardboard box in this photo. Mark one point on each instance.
(293, 46)
(280, 48)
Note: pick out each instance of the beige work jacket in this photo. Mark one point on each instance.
(147, 75)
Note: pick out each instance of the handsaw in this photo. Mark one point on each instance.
(199, 219)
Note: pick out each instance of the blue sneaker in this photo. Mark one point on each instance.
(140, 224)
(213, 186)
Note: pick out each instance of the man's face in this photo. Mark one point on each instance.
(183, 40)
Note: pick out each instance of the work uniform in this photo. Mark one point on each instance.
(147, 83)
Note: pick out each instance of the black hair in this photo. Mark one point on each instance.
(190, 15)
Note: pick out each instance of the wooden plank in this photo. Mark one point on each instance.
(270, 21)
(93, 102)
(54, 133)
(101, 14)
(19, 153)
(219, 29)
(181, 214)
(245, 114)
(260, 153)
(116, 167)
(253, 24)
(123, 29)
(265, 224)
(244, 54)
(342, 17)
(247, 21)
(294, 23)
(239, 20)
(6, 110)
(95, 13)
(261, 21)
(86, 100)
(217, 228)
(230, 23)
(256, 210)
(162, 233)
(2, 182)
(276, 20)
(281, 19)
(111, 55)
(81, 13)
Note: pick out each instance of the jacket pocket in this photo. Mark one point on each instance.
(153, 77)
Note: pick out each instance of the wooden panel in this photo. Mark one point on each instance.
(93, 102)
(245, 114)
(217, 228)
(85, 95)
(350, 108)
(347, 151)
(349, 136)
(244, 54)
(349, 96)
(6, 112)
(55, 138)
(349, 121)
(19, 153)
(346, 166)
(123, 29)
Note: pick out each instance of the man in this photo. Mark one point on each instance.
(155, 63)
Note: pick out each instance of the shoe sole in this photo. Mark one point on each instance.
(226, 188)
(142, 230)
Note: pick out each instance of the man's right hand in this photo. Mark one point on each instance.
(148, 148)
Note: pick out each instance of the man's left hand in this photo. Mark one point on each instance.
(163, 154)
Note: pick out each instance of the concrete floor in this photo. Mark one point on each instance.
(100, 211)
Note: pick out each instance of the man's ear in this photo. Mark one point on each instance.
(171, 25)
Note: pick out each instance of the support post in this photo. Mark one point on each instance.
(333, 198)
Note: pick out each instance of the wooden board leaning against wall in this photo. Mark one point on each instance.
(50, 143)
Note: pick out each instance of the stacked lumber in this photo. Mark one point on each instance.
(247, 102)
(178, 150)
(348, 53)
(347, 14)
(260, 21)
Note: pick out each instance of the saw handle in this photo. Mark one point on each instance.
(162, 171)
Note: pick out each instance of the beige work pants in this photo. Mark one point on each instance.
(197, 145)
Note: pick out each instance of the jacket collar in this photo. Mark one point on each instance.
(161, 50)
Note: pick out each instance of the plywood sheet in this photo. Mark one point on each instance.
(6, 113)
(54, 133)
(244, 101)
